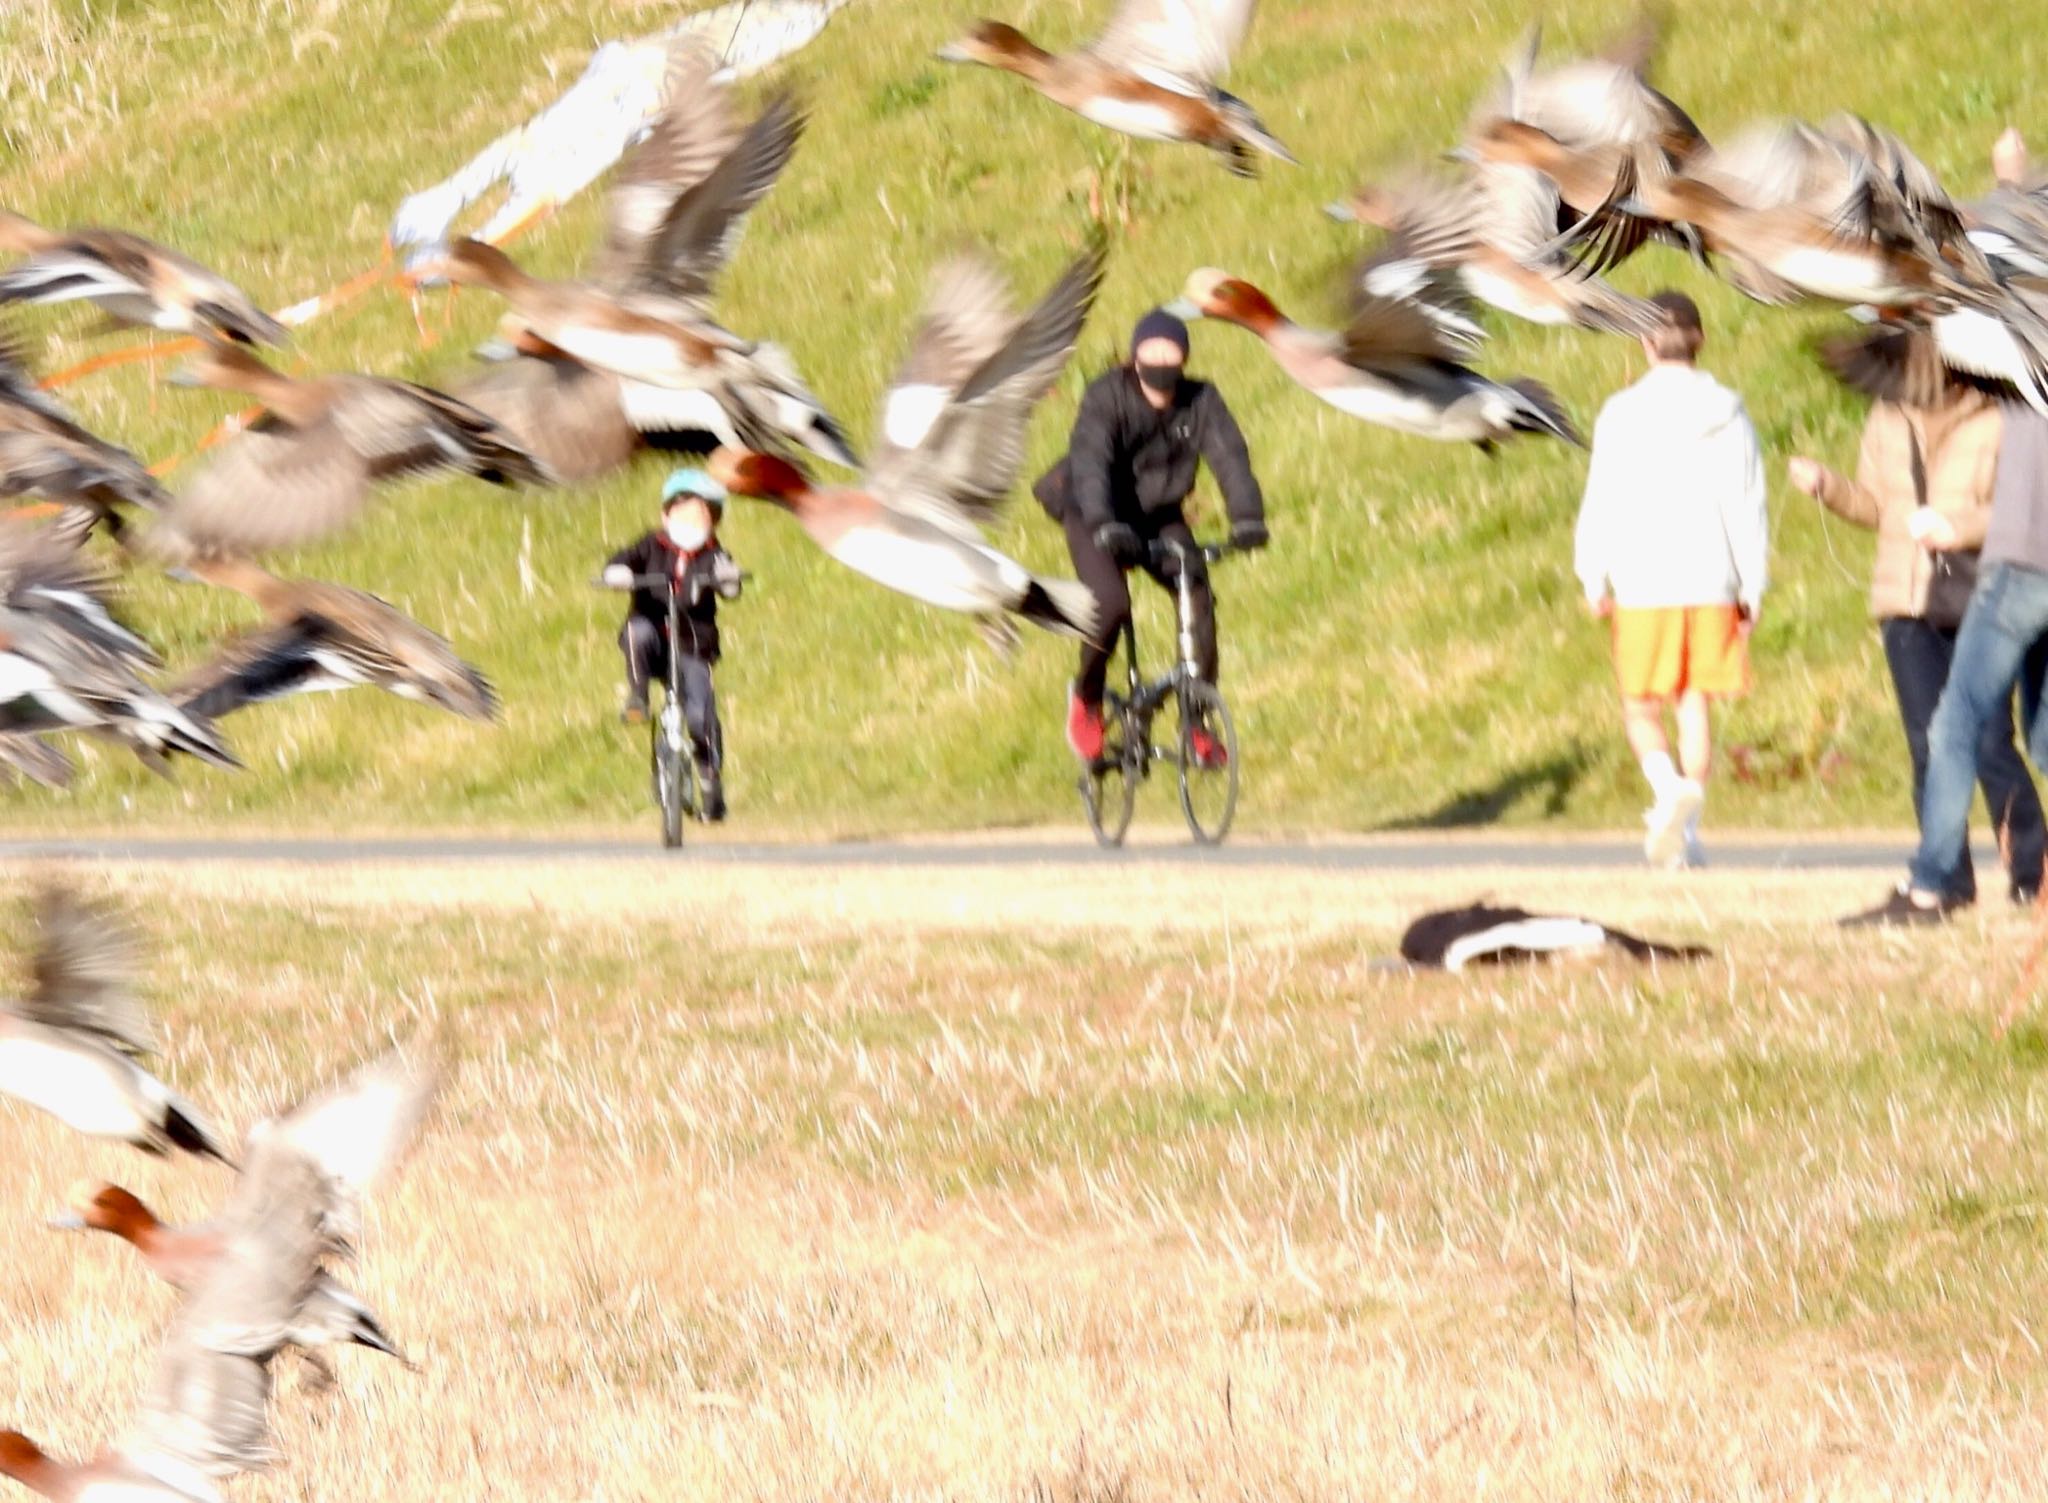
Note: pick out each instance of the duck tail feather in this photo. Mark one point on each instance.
(188, 1131)
(1248, 128)
(1065, 606)
(1539, 411)
(243, 325)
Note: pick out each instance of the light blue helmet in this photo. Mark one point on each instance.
(691, 481)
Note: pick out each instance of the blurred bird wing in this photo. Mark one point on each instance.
(701, 228)
(86, 965)
(1386, 330)
(47, 576)
(356, 1132)
(968, 460)
(1175, 42)
(206, 1415)
(270, 489)
(691, 135)
(967, 317)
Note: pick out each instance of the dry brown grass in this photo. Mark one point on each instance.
(986, 1184)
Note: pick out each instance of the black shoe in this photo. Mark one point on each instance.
(635, 712)
(1899, 911)
(2023, 897)
(714, 797)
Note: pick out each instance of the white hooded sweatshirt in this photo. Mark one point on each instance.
(1674, 506)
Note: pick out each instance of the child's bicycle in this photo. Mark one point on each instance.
(678, 791)
(1204, 748)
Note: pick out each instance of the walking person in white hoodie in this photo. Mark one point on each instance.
(1671, 549)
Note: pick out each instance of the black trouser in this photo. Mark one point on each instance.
(647, 659)
(1919, 656)
(1105, 578)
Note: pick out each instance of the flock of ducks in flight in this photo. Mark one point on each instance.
(257, 1280)
(1565, 169)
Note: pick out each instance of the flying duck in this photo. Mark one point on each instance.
(309, 465)
(44, 451)
(1494, 232)
(320, 636)
(672, 220)
(67, 664)
(1391, 365)
(1154, 73)
(71, 1047)
(952, 441)
(294, 1211)
(132, 280)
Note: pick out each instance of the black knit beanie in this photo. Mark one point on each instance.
(1159, 324)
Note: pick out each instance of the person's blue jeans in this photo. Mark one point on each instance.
(2000, 643)
(1919, 656)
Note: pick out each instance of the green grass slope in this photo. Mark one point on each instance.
(1410, 650)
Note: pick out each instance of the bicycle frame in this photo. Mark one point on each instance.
(1144, 700)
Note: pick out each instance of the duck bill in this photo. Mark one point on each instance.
(1183, 309)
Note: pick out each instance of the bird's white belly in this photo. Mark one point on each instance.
(20, 678)
(954, 577)
(653, 358)
(1150, 122)
(1978, 342)
(1512, 296)
(662, 409)
(1407, 412)
(86, 1088)
(1841, 275)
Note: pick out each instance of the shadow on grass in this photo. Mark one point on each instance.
(1550, 781)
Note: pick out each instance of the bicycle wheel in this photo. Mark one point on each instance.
(1109, 788)
(1206, 752)
(670, 774)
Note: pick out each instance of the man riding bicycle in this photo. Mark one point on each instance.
(1129, 466)
(683, 554)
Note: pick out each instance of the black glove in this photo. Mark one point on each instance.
(1119, 542)
(1249, 533)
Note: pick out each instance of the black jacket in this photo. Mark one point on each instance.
(1127, 459)
(697, 607)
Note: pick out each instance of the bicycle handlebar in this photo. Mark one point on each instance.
(645, 581)
(1161, 549)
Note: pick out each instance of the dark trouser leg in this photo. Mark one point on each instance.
(640, 641)
(1104, 577)
(700, 710)
(1201, 598)
(1918, 656)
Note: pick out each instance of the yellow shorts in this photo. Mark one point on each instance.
(1661, 652)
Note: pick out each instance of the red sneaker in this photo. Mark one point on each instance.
(1084, 728)
(1209, 752)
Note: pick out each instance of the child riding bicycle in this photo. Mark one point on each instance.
(684, 555)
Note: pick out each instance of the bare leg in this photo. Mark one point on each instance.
(1695, 736)
(1643, 719)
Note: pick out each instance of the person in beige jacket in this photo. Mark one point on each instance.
(1923, 506)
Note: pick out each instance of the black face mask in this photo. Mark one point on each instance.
(1160, 378)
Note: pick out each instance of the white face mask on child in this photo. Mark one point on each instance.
(687, 534)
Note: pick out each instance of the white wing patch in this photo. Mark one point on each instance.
(910, 412)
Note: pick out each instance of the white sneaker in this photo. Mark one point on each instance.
(1664, 841)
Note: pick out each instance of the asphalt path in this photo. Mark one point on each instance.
(1366, 855)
